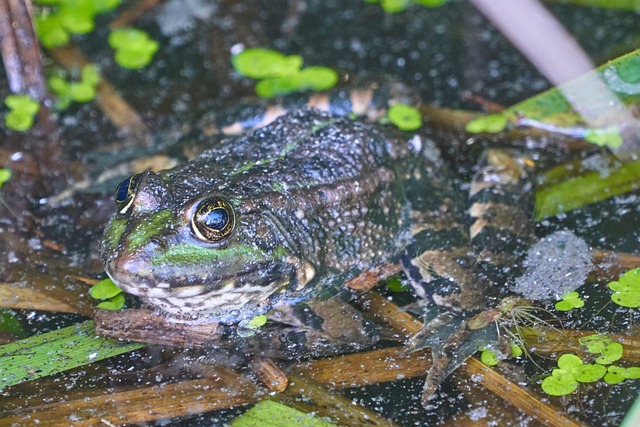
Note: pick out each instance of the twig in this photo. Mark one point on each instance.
(20, 50)
(121, 114)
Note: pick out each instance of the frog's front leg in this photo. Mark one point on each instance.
(314, 328)
(454, 267)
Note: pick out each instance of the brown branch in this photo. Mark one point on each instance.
(224, 389)
(145, 325)
(20, 49)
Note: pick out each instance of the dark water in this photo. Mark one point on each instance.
(443, 52)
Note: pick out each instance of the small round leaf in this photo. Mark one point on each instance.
(614, 375)
(5, 175)
(115, 303)
(493, 123)
(588, 373)
(405, 117)
(632, 373)
(259, 63)
(569, 361)
(104, 289)
(317, 78)
(257, 321)
(488, 357)
(559, 385)
(610, 354)
(18, 120)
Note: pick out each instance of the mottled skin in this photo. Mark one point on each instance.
(305, 204)
(318, 199)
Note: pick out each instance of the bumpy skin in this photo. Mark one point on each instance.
(318, 199)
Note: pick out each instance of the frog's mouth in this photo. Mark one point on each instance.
(207, 297)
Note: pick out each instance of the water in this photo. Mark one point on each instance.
(442, 52)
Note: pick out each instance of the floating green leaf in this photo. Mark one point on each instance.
(395, 6)
(104, 289)
(272, 414)
(492, 123)
(632, 373)
(569, 361)
(107, 290)
(50, 31)
(82, 91)
(516, 350)
(571, 371)
(489, 357)
(55, 25)
(113, 304)
(275, 86)
(134, 49)
(22, 103)
(281, 74)
(18, 121)
(312, 78)
(90, 75)
(614, 375)
(77, 17)
(249, 327)
(259, 63)
(317, 78)
(588, 373)
(5, 175)
(405, 117)
(570, 301)
(394, 284)
(611, 353)
(626, 290)
(23, 108)
(559, 384)
(595, 343)
(257, 321)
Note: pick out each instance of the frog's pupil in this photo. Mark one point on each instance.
(126, 192)
(123, 190)
(216, 218)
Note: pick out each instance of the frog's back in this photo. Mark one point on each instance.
(302, 150)
(332, 183)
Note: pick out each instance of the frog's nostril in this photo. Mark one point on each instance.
(160, 242)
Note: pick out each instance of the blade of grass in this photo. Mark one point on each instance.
(54, 352)
(586, 189)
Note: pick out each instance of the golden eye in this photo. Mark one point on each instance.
(126, 192)
(213, 220)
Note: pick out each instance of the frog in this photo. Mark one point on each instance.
(285, 214)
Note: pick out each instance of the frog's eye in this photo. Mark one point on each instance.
(126, 192)
(213, 220)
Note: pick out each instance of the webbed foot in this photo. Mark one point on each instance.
(451, 342)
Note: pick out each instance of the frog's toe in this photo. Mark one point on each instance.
(451, 343)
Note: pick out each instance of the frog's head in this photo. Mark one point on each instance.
(205, 256)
